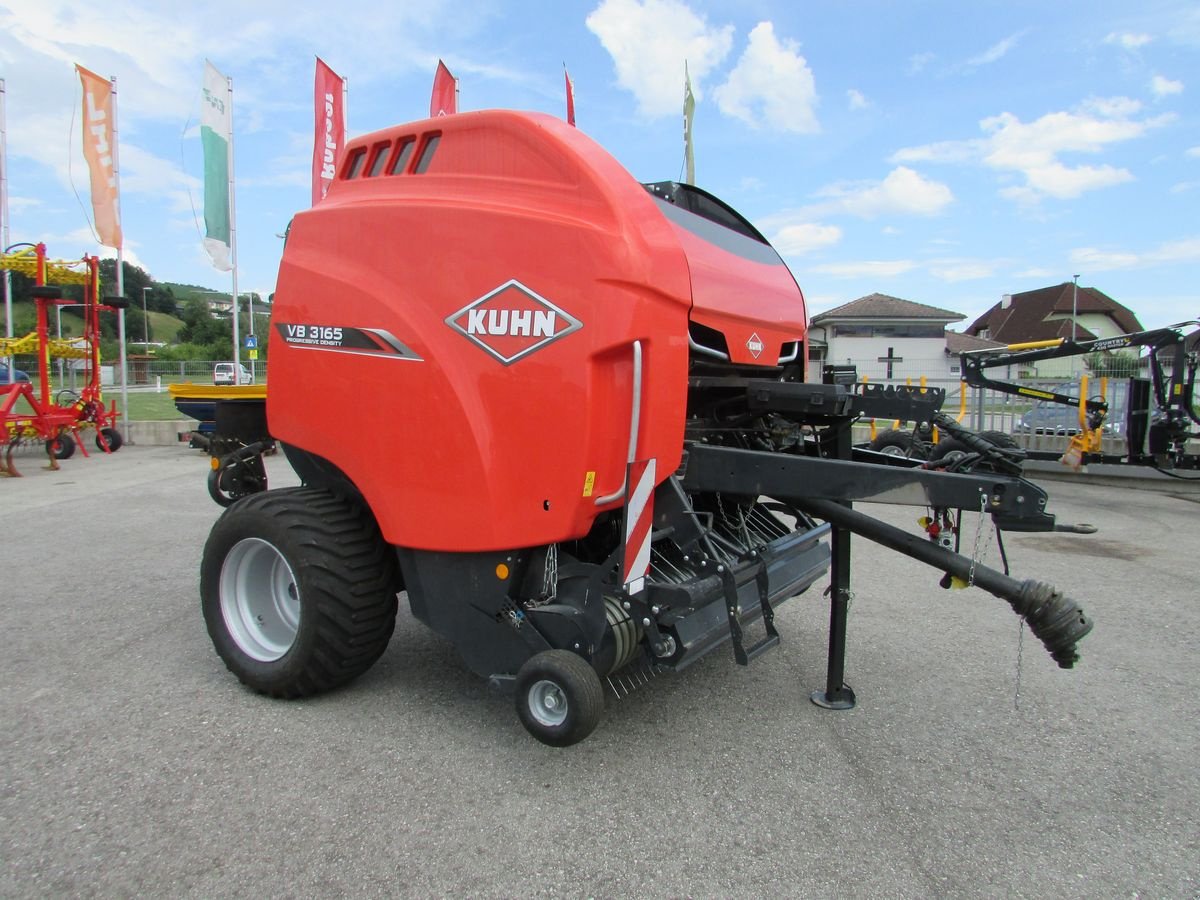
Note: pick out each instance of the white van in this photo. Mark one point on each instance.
(223, 373)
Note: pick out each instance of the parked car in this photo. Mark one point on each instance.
(1057, 418)
(224, 373)
(17, 375)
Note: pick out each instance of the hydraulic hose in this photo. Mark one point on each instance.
(1055, 619)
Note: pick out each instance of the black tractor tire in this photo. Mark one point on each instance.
(559, 697)
(61, 447)
(111, 437)
(893, 442)
(298, 590)
(950, 445)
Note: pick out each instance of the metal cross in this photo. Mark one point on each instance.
(890, 359)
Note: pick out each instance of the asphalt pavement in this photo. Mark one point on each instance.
(133, 763)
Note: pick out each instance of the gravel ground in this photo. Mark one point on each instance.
(133, 763)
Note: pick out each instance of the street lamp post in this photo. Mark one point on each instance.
(145, 323)
(1074, 307)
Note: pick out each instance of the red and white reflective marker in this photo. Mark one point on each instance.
(639, 521)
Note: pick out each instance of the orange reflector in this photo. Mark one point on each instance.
(502, 571)
(215, 463)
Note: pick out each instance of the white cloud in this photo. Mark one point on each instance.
(1185, 250)
(903, 191)
(1183, 187)
(1165, 87)
(20, 204)
(1128, 41)
(955, 270)
(866, 268)
(1032, 149)
(918, 61)
(1193, 152)
(996, 52)
(649, 41)
(856, 99)
(771, 85)
(805, 237)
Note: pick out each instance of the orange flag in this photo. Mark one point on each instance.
(99, 149)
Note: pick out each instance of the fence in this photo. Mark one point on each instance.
(1033, 424)
(67, 373)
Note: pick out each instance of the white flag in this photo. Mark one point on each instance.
(216, 133)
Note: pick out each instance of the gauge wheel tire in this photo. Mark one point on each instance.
(559, 697)
(61, 447)
(224, 488)
(893, 443)
(298, 590)
(956, 447)
(110, 437)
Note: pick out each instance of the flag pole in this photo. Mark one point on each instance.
(120, 271)
(237, 350)
(4, 236)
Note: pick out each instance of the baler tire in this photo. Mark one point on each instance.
(322, 604)
(61, 447)
(559, 697)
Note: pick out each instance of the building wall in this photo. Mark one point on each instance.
(921, 356)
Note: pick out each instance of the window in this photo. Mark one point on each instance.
(427, 151)
(379, 158)
(403, 155)
(354, 163)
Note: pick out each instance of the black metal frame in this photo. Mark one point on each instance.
(825, 486)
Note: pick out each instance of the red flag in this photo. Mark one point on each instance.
(329, 128)
(570, 96)
(100, 152)
(444, 101)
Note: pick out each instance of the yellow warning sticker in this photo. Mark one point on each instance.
(589, 484)
(1030, 392)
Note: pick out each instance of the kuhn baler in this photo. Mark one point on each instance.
(566, 413)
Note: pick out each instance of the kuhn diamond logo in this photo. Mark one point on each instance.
(755, 345)
(512, 321)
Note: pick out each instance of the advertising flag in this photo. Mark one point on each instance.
(570, 96)
(216, 133)
(444, 101)
(100, 152)
(329, 135)
(689, 109)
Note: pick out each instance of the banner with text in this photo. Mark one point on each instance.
(216, 133)
(329, 134)
(99, 151)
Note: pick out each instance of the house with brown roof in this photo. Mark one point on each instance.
(886, 338)
(1048, 313)
(1053, 312)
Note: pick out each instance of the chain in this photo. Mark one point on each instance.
(1020, 650)
(980, 549)
(550, 574)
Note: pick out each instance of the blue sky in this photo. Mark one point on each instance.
(943, 152)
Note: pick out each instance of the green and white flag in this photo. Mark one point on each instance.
(216, 134)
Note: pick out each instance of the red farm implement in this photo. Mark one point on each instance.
(57, 419)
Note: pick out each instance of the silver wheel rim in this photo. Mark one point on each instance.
(260, 600)
(547, 703)
(892, 450)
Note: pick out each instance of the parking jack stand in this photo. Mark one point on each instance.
(838, 694)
